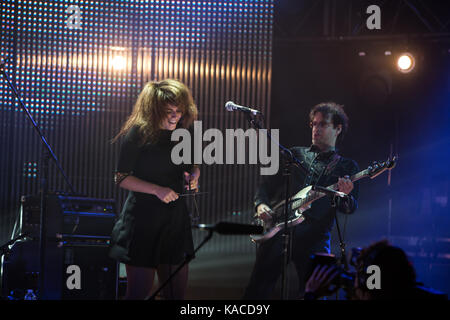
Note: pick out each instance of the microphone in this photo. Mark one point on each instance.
(231, 228)
(231, 106)
(329, 192)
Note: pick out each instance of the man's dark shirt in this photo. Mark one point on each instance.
(321, 214)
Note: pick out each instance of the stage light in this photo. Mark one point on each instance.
(118, 62)
(406, 63)
(118, 58)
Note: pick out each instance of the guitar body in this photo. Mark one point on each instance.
(303, 199)
(277, 222)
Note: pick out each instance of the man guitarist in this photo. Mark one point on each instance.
(322, 166)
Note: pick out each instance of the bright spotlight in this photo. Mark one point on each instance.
(406, 62)
(118, 62)
(118, 58)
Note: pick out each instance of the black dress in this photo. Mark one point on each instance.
(148, 231)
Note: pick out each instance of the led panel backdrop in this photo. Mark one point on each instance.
(79, 67)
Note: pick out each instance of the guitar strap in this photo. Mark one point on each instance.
(330, 167)
(325, 170)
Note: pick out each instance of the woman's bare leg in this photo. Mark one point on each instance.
(176, 289)
(139, 282)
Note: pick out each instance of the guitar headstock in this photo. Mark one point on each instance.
(378, 168)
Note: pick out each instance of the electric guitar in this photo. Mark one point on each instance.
(302, 200)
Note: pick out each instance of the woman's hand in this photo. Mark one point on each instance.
(192, 179)
(166, 195)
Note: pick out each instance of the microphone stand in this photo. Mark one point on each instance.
(290, 160)
(342, 245)
(4, 249)
(333, 195)
(224, 228)
(46, 154)
(187, 259)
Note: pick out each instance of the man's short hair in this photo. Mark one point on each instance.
(335, 112)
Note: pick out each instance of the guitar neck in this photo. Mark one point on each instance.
(313, 195)
(353, 178)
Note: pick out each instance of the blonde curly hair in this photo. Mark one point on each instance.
(150, 109)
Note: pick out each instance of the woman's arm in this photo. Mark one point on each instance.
(133, 183)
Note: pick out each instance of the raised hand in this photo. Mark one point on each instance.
(320, 280)
(191, 180)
